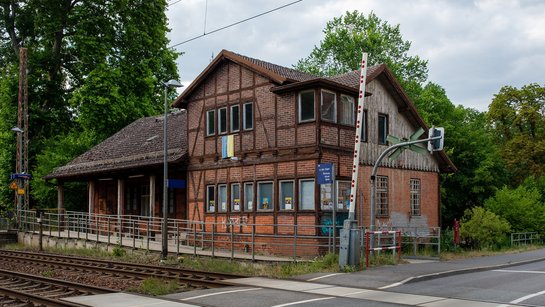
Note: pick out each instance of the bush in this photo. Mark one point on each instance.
(521, 207)
(481, 228)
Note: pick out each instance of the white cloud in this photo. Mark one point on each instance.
(473, 47)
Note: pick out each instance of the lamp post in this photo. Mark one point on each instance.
(20, 184)
(164, 230)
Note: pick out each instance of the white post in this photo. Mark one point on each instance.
(152, 195)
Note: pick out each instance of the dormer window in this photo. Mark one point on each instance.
(306, 106)
(329, 106)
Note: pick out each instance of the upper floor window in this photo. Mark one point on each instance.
(235, 118)
(382, 128)
(346, 110)
(248, 116)
(306, 106)
(329, 106)
(210, 127)
(363, 125)
(222, 120)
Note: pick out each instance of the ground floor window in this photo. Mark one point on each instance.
(306, 194)
(265, 199)
(248, 196)
(382, 196)
(343, 195)
(222, 198)
(235, 197)
(415, 196)
(210, 198)
(286, 195)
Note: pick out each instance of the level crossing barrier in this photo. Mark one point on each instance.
(382, 240)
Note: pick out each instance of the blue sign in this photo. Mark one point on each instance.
(20, 176)
(176, 184)
(324, 173)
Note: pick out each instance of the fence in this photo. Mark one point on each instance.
(232, 238)
(519, 238)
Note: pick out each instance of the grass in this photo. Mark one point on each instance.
(157, 287)
(463, 254)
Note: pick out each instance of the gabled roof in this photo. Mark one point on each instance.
(288, 79)
(140, 144)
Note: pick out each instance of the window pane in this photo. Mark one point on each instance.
(326, 196)
(328, 106)
(346, 110)
(364, 127)
(415, 196)
(248, 116)
(265, 196)
(382, 196)
(286, 195)
(343, 195)
(222, 198)
(235, 118)
(248, 196)
(210, 128)
(382, 129)
(235, 197)
(222, 120)
(210, 200)
(306, 106)
(306, 195)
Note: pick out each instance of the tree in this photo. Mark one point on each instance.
(517, 116)
(347, 36)
(94, 67)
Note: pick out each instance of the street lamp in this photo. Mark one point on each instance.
(164, 230)
(19, 132)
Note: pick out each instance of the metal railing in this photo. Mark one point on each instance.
(231, 238)
(524, 238)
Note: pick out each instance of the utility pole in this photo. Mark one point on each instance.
(22, 133)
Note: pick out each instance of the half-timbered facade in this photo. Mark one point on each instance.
(256, 132)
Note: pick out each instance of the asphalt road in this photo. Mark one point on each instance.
(522, 284)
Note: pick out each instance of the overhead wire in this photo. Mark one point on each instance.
(234, 24)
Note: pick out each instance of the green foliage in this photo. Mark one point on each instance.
(517, 119)
(119, 251)
(521, 207)
(94, 67)
(347, 36)
(482, 228)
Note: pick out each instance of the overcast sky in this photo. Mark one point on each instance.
(473, 47)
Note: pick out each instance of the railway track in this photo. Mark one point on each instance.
(191, 279)
(19, 289)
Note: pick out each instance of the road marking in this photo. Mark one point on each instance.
(529, 296)
(305, 301)
(396, 283)
(325, 276)
(515, 271)
(219, 293)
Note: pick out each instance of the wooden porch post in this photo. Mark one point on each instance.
(91, 197)
(60, 197)
(120, 196)
(152, 195)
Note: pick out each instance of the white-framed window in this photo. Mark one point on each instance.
(382, 196)
(326, 196)
(285, 196)
(306, 194)
(222, 198)
(306, 106)
(235, 197)
(222, 120)
(248, 116)
(382, 128)
(235, 118)
(265, 193)
(329, 106)
(210, 198)
(346, 110)
(343, 195)
(415, 196)
(248, 196)
(210, 122)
